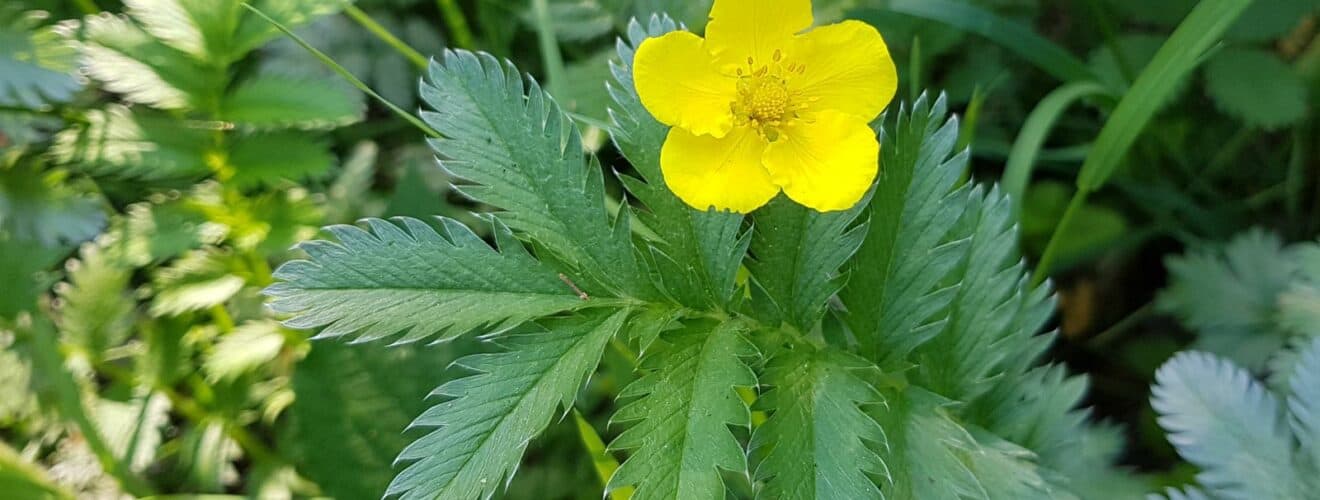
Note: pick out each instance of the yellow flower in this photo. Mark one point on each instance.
(761, 105)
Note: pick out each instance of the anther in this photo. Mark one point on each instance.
(778, 55)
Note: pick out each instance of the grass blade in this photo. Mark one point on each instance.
(343, 72)
(1013, 36)
(1030, 141)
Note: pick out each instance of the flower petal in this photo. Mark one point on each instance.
(680, 84)
(826, 164)
(848, 69)
(739, 29)
(724, 173)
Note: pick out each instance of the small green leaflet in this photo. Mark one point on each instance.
(404, 277)
(481, 433)
(680, 438)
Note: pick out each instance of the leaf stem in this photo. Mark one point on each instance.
(413, 56)
(457, 24)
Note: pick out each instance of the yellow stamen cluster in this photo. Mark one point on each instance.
(764, 99)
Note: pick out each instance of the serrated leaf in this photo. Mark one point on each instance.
(796, 256)
(1264, 21)
(522, 155)
(680, 438)
(1304, 402)
(23, 261)
(199, 280)
(155, 231)
(1256, 87)
(894, 290)
(34, 62)
(129, 61)
(1228, 295)
(133, 429)
(95, 311)
(200, 28)
(414, 281)
(249, 346)
(817, 442)
(1228, 425)
(136, 144)
(353, 402)
(994, 315)
(697, 253)
(253, 31)
(481, 433)
(265, 159)
(269, 102)
(39, 205)
(930, 455)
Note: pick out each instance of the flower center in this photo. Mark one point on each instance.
(764, 99)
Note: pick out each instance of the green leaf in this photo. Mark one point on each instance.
(1228, 425)
(417, 282)
(481, 433)
(994, 314)
(1304, 402)
(818, 443)
(269, 102)
(796, 256)
(136, 144)
(129, 61)
(895, 290)
(1256, 87)
(200, 28)
(697, 253)
(253, 31)
(162, 229)
(40, 205)
(23, 261)
(353, 401)
(266, 159)
(95, 311)
(1228, 295)
(1265, 21)
(930, 455)
(206, 456)
(524, 157)
(680, 438)
(248, 347)
(133, 429)
(25, 480)
(199, 280)
(1181, 54)
(37, 65)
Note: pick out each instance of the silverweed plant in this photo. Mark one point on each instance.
(888, 350)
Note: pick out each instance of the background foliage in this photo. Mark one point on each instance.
(159, 158)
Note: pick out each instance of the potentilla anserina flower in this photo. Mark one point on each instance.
(764, 104)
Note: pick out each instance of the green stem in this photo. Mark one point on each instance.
(1052, 248)
(88, 7)
(384, 35)
(347, 75)
(550, 55)
(457, 24)
(914, 69)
